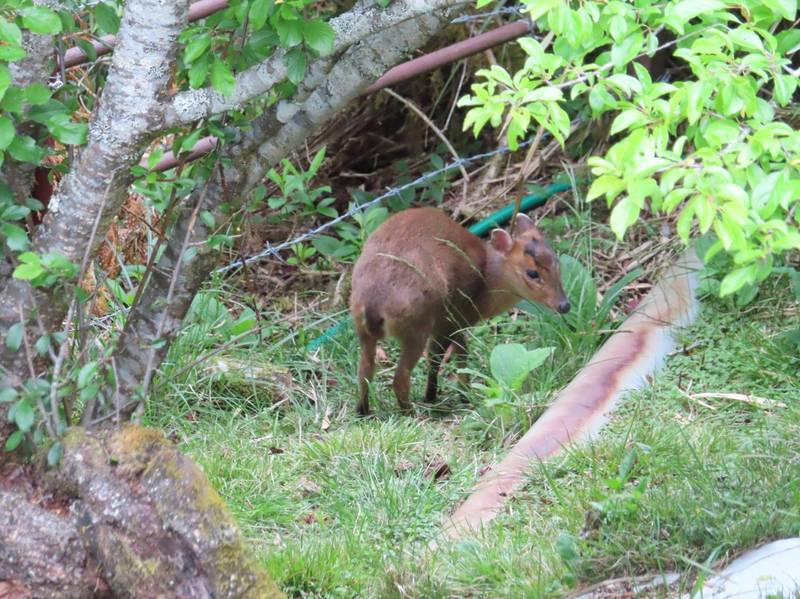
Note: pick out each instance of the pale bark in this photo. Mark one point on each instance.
(98, 182)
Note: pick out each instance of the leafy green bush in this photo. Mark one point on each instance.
(715, 144)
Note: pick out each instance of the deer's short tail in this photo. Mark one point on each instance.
(370, 320)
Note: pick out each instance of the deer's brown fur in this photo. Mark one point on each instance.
(422, 276)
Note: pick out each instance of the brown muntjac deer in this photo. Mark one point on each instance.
(423, 276)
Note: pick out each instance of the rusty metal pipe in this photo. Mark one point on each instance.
(624, 362)
(449, 54)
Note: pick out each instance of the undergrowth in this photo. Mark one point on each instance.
(339, 506)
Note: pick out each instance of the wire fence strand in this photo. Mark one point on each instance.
(274, 250)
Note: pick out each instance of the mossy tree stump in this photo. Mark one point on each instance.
(125, 514)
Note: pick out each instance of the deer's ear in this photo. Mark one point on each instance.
(524, 224)
(501, 241)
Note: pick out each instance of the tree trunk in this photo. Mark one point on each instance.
(124, 515)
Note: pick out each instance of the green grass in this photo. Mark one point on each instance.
(338, 506)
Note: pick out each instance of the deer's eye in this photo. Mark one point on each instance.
(532, 274)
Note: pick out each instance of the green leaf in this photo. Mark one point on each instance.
(106, 17)
(54, 454)
(735, 280)
(607, 184)
(625, 51)
(326, 245)
(222, 78)
(41, 19)
(198, 72)
(207, 218)
(23, 415)
(16, 237)
(11, 52)
(9, 32)
(24, 149)
(784, 88)
(319, 36)
(623, 216)
(539, 8)
(196, 48)
(36, 94)
(689, 9)
(7, 132)
(784, 8)
(86, 374)
(290, 33)
(14, 336)
(65, 130)
(512, 363)
(295, 62)
(259, 11)
(5, 81)
(14, 439)
(628, 119)
(28, 272)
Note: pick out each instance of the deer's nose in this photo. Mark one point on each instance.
(563, 306)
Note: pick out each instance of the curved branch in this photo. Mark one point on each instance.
(349, 28)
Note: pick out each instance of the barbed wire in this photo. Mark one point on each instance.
(273, 250)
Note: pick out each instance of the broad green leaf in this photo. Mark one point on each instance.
(319, 36)
(624, 214)
(54, 454)
(23, 415)
(7, 132)
(106, 17)
(259, 11)
(24, 149)
(14, 336)
(785, 8)
(540, 7)
(290, 33)
(16, 237)
(5, 80)
(687, 10)
(65, 130)
(41, 19)
(28, 272)
(628, 119)
(626, 50)
(199, 72)
(609, 185)
(295, 62)
(196, 48)
(736, 279)
(86, 374)
(36, 94)
(9, 32)
(512, 363)
(222, 78)
(14, 439)
(784, 88)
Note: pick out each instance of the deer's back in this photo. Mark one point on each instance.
(420, 265)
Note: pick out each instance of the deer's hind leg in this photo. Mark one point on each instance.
(366, 370)
(411, 346)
